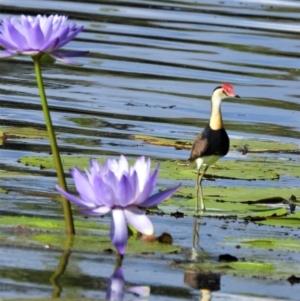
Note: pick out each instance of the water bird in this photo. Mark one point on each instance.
(213, 143)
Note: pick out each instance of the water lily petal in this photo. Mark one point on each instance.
(26, 29)
(36, 37)
(95, 168)
(58, 21)
(49, 46)
(103, 192)
(135, 186)
(84, 187)
(7, 54)
(123, 164)
(17, 37)
(74, 199)
(96, 211)
(73, 53)
(148, 187)
(16, 23)
(62, 33)
(111, 164)
(141, 291)
(4, 42)
(70, 37)
(159, 197)
(118, 230)
(63, 59)
(137, 218)
(140, 167)
(47, 28)
(125, 192)
(5, 32)
(29, 52)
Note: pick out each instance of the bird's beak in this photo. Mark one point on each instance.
(236, 96)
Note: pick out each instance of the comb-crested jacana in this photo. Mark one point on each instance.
(213, 143)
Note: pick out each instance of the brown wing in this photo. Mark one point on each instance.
(199, 147)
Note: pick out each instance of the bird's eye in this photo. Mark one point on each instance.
(225, 92)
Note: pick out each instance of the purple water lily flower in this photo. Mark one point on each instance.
(42, 34)
(121, 189)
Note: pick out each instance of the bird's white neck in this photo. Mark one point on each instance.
(216, 121)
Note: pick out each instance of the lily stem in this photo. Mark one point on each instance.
(119, 260)
(70, 229)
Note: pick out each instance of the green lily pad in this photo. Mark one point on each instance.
(222, 209)
(282, 167)
(232, 201)
(247, 266)
(171, 170)
(220, 201)
(239, 268)
(238, 169)
(23, 132)
(2, 190)
(2, 138)
(90, 237)
(253, 145)
(239, 194)
(48, 163)
(274, 243)
(100, 243)
(178, 144)
(47, 223)
(292, 220)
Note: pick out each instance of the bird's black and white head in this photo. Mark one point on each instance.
(223, 91)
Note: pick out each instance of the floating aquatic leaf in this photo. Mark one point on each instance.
(240, 194)
(23, 132)
(247, 266)
(46, 223)
(231, 201)
(220, 201)
(292, 220)
(276, 243)
(2, 190)
(238, 268)
(171, 170)
(85, 240)
(239, 169)
(253, 145)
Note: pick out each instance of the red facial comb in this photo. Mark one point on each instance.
(228, 88)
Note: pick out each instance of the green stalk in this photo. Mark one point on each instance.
(63, 262)
(70, 229)
(119, 260)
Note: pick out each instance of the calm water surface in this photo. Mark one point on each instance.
(151, 70)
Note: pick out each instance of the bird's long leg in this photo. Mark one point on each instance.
(196, 232)
(199, 188)
(197, 193)
(196, 229)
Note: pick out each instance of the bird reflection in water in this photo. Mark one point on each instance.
(205, 282)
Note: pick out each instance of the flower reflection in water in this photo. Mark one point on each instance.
(116, 287)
